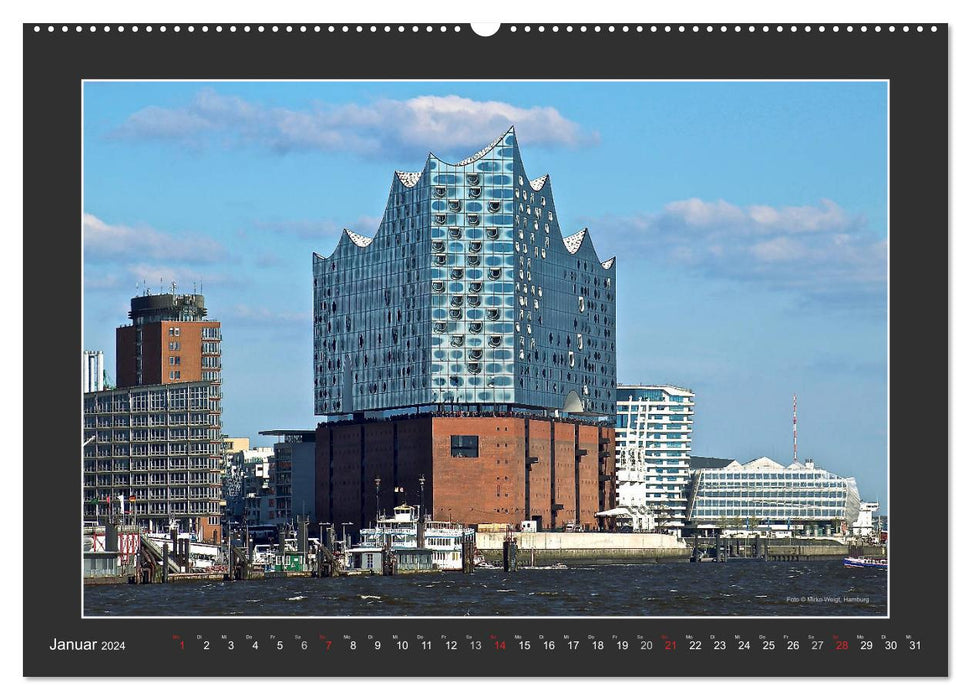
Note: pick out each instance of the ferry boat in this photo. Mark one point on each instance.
(864, 563)
(401, 531)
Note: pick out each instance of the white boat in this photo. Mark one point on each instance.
(401, 532)
(864, 563)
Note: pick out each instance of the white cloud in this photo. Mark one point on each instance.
(451, 125)
(819, 251)
(104, 241)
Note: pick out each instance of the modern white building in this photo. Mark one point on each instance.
(653, 441)
(92, 371)
(765, 495)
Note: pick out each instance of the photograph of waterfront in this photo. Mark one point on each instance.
(450, 349)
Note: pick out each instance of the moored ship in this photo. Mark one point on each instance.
(406, 530)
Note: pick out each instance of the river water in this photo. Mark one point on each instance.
(668, 589)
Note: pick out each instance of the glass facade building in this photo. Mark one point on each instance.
(467, 294)
(762, 492)
(653, 441)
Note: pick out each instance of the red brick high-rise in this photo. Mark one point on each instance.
(168, 341)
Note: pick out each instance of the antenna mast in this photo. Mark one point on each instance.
(794, 452)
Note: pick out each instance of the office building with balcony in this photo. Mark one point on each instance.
(653, 442)
(467, 302)
(155, 457)
(154, 445)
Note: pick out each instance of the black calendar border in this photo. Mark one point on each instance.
(916, 65)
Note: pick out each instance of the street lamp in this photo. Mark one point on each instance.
(421, 497)
(377, 498)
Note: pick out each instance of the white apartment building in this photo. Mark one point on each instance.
(653, 441)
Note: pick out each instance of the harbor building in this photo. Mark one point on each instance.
(154, 445)
(92, 370)
(653, 439)
(251, 469)
(800, 499)
(501, 468)
(467, 303)
(292, 479)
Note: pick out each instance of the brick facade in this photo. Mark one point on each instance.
(551, 470)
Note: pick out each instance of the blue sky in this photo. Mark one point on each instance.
(749, 222)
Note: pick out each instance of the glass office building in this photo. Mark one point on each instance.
(764, 493)
(653, 440)
(467, 295)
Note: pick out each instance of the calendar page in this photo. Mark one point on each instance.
(558, 349)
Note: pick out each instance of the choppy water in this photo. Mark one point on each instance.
(737, 588)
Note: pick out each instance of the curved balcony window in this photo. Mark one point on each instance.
(572, 359)
(475, 246)
(455, 314)
(438, 287)
(495, 273)
(473, 300)
(454, 232)
(441, 327)
(439, 192)
(457, 273)
(456, 301)
(440, 259)
(495, 206)
(475, 327)
(440, 219)
(475, 354)
(472, 219)
(458, 341)
(472, 179)
(474, 368)
(454, 205)
(492, 233)
(475, 192)
(472, 261)
(492, 314)
(438, 246)
(495, 341)
(475, 287)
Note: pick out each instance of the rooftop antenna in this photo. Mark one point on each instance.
(794, 452)
(173, 287)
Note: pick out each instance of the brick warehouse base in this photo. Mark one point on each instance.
(478, 469)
